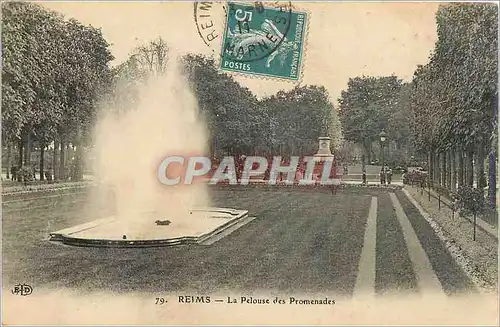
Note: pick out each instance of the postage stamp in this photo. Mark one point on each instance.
(263, 41)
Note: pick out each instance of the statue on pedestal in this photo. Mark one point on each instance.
(324, 152)
(323, 155)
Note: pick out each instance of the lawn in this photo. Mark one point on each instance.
(303, 240)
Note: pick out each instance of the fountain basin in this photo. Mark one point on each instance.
(202, 226)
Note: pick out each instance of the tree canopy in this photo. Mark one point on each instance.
(54, 74)
(457, 87)
(370, 105)
(290, 121)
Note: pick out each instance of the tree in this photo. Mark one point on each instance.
(144, 62)
(235, 121)
(151, 59)
(299, 117)
(365, 108)
(22, 74)
(471, 201)
(54, 72)
(287, 122)
(88, 79)
(453, 95)
(467, 51)
(31, 100)
(399, 120)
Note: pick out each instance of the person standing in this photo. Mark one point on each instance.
(389, 176)
(382, 176)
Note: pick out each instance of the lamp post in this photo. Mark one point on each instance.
(383, 139)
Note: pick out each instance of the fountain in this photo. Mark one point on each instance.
(203, 226)
(129, 146)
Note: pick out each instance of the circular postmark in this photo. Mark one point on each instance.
(243, 32)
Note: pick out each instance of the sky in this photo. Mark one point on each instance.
(344, 39)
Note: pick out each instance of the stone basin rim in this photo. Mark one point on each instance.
(236, 217)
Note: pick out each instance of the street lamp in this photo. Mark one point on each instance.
(383, 139)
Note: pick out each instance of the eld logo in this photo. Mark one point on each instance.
(194, 299)
(22, 289)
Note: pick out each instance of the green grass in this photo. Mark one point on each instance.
(303, 240)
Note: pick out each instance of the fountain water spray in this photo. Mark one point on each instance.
(130, 145)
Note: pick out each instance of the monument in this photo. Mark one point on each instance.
(324, 153)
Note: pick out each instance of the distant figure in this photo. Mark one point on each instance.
(267, 174)
(382, 176)
(364, 176)
(389, 176)
(299, 174)
(13, 173)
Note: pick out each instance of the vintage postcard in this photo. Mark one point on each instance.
(249, 163)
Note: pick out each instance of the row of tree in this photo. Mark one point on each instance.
(54, 71)
(288, 122)
(453, 98)
(448, 112)
(57, 74)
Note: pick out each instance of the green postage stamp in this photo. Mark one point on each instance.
(264, 41)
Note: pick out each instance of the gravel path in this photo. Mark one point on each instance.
(452, 278)
(480, 256)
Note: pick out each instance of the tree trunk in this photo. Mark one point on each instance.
(448, 169)
(441, 171)
(369, 153)
(25, 154)
(470, 167)
(67, 161)
(433, 176)
(27, 150)
(62, 161)
(444, 173)
(431, 166)
(461, 168)
(465, 167)
(492, 179)
(492, 182)
(77, 174)
(42, 161)
(21, 152)
(453, 157)
(438, 168)
(481, 182)
(8, 160)
(474, 233)
(388, 151)
(55, 163)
